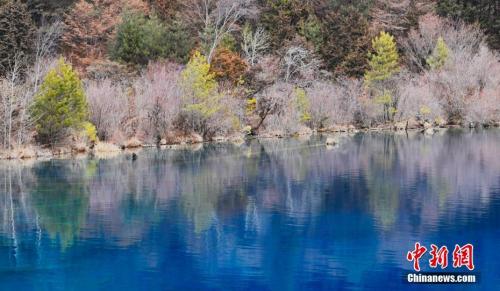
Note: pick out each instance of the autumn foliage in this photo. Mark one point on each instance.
(228, 66)
(91, 25)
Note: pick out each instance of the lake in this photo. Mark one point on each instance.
(265, 215)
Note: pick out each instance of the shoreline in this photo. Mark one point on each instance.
(104, 149)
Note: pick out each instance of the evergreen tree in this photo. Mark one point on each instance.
(384, 61)
(60, 105)
(383, 64)
(439, 56)
(16, 34)
(200, 86)
(138, 39)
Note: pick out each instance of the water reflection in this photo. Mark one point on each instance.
(287, 214)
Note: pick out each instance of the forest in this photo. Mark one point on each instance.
(82, 74)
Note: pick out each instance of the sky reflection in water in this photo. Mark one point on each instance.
(277, 215)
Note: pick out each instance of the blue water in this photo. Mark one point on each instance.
(264, 215)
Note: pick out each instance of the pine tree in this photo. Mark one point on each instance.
(438, 58)
(60, 105)
(200, 86)
(139, 39)
(16, 34)
(383, 63)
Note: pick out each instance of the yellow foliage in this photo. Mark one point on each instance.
(303, 104)
(90, 132)
(200, 87)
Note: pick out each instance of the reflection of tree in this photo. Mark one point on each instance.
(60, 198)
(382, 181)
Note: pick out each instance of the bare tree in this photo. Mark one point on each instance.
(107, 105)
(254, 43)
(215, 19)
(299, 64)
(422, 40)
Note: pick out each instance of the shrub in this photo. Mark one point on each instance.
(60, 104)
(158, 98)
(108, 107)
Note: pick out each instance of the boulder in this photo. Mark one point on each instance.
(412, 123)
(132, 143)
(163, 141)
(429, 131)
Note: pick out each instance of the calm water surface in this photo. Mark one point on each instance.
(265, 215)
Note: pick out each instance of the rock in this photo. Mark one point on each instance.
(472, 125)
(133, 143)
(26, 153)
(427, 125)
(429, 131)
(332, 141)
(351, 128)
(412, 124)
(103, 147)
(79, 148)
(163, 141)
(400, 126)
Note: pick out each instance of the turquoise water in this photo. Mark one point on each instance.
(265, 215)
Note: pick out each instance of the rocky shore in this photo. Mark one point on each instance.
(176, 139)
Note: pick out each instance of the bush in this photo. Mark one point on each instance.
(108, 107)
(60, 105)
(139, 39)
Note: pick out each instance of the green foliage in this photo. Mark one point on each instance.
(384, 61)
(200, 87)
(60, 105)
(178, 44)
(303, 104)
(138, 39)
(16, 34)
(311, 30)
(438, 58)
